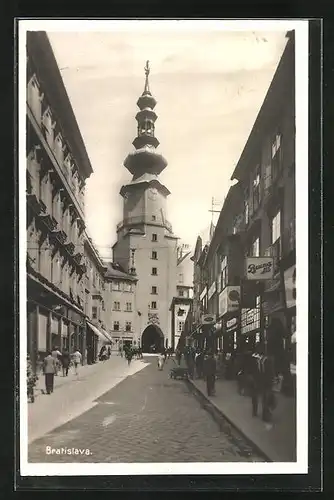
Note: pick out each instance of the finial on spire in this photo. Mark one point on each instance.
(147, 72)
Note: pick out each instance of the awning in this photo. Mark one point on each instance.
(106, 334)
(97, 332)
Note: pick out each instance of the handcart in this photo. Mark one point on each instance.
(178, 372)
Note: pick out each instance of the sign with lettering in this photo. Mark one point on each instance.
(208, 319)
(231, 325)
(229, 300)
(259, 268)
(212, 290)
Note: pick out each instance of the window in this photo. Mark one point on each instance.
(256, 188)
(246, 208)
(154, 271)
(276, 227)
(116, 326)
(153, 305)
(154, 255)
(117, 306)
(128, 326)
(154, 237)
(127, 287)
(94, 312)
(255, 248)
(103, 306)
(154, 290)
(180, 326)
(153, 217)
(276, 155)
(180, 278)
(128, 306)
(223, 274)
(181, 293)
(116, 285)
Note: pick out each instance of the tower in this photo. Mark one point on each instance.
(146, 245)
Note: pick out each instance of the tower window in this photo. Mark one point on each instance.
(117, 306)
(154, 237)
(153, 217)
(153, 305)
(154, 271)
(154, 290)
(154, 255)
(129, 306)
(116, 326)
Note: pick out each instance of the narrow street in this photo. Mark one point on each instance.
(147, 417)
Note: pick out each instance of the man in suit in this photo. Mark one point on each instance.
(210, 368)
(49, 370)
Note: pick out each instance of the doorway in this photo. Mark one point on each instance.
(152, 340)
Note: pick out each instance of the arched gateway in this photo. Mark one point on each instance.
(152, 339)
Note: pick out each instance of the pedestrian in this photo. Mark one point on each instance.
(49, 370)
(65, 361)
(120, 351)
(209, 368)
(161, 361)
(199, 360)
(76, 357)
(261, 378)
(128, 356)
(56, 354)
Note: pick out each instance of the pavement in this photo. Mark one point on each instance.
(144, 417)
(75, 394)
(277, 441)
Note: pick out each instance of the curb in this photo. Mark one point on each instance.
(218, 415)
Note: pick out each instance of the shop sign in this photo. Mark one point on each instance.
(290, 286)
(212, 290)
(203, 294)
(229, 300)
(259, 268)
(231, 325)
(208, 319)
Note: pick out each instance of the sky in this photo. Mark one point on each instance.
(209, 86)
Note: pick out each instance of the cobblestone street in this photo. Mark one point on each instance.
(146, 418)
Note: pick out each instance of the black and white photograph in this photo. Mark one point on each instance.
(162, 245)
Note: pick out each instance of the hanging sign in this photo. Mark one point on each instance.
(259, 268)
(203, 294)
(229, 300)
(212, 290)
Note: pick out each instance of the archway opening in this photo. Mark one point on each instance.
(152, 339)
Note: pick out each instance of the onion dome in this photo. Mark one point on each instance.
(145, 158)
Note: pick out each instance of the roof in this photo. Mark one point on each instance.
(40, 52)
(116, 271)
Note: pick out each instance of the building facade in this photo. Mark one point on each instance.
(121, 307)
(96, 298)
(244, 278)
(57, 169)
(65, 275)
(145, 242)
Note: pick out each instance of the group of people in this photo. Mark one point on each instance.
(54, 361)
(255, 375)
(130, 352)
(105, 353)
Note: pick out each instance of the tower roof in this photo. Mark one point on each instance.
(145, 159)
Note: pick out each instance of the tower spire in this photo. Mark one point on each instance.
(145, 159)
(147, 72)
